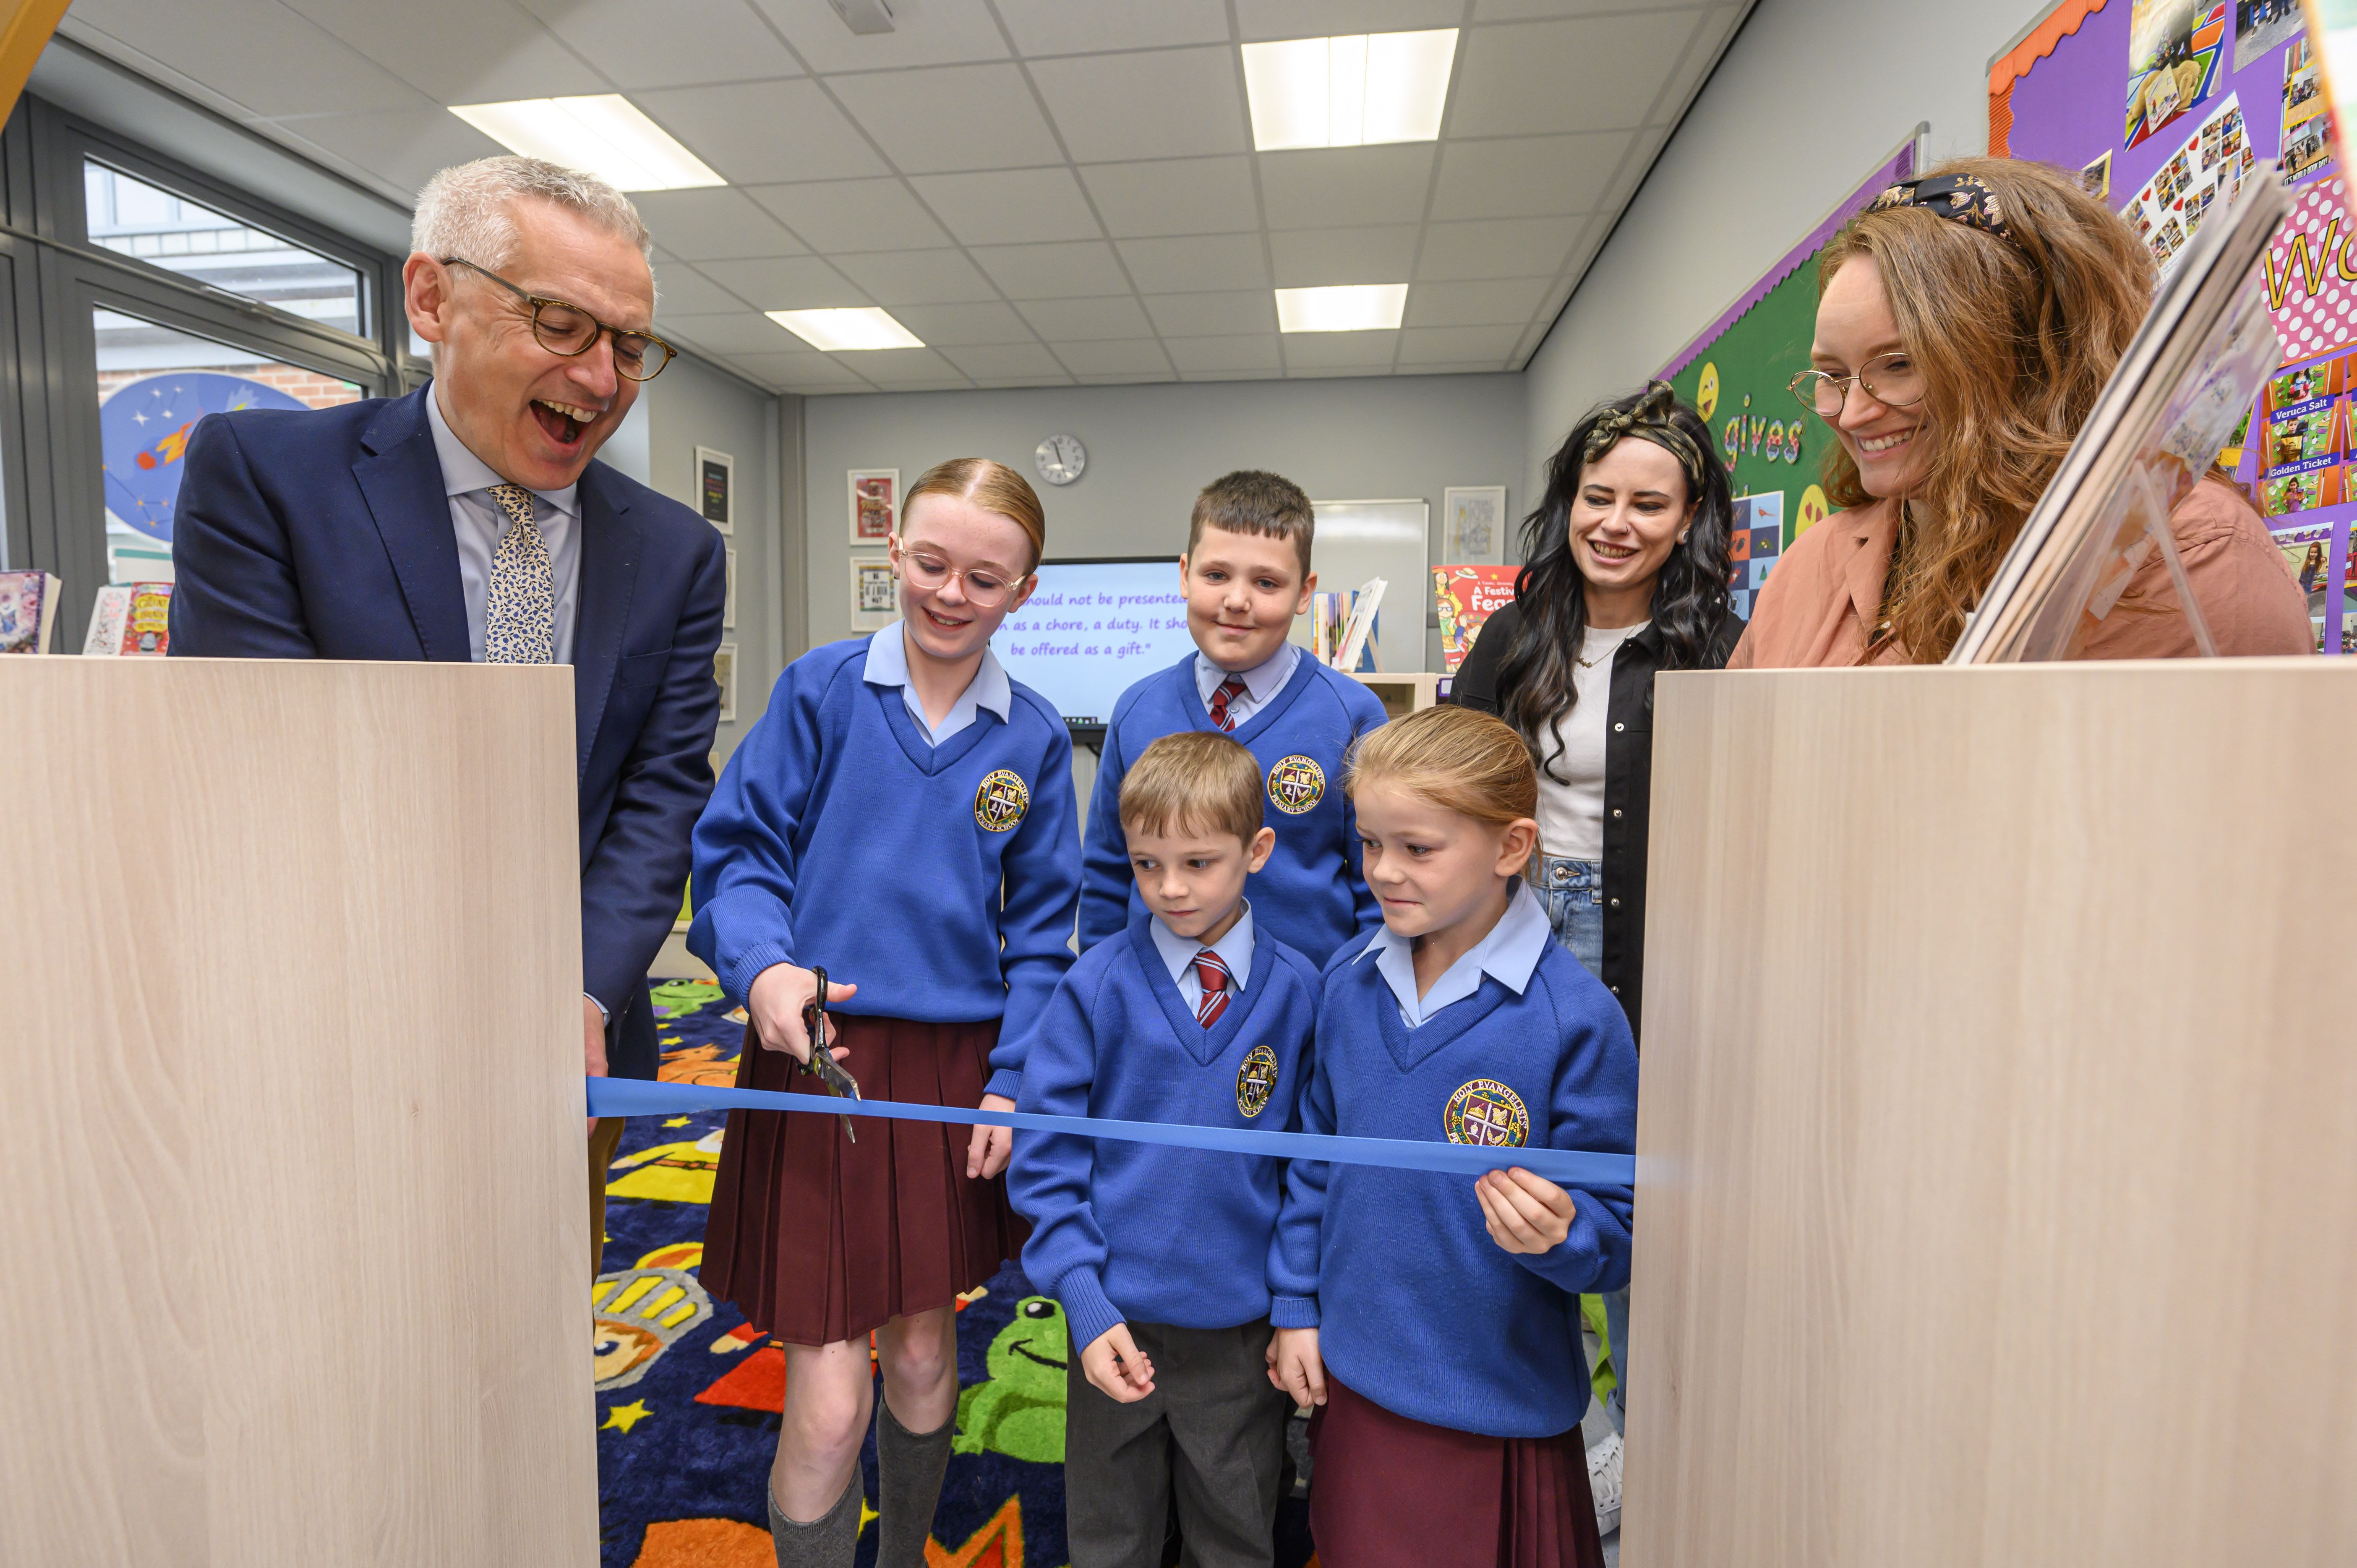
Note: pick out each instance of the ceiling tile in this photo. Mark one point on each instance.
(806, 373)
(1168, 104)
(1457, 345)
(713, 225)
(854, 215)
(1472, 367)
(1511, 80)
(1009, 207)
(698, 41)
(1324, 18)
(1239, 351)
(506, 53)
(1644, 148)
(955, 325)
(915, 277)
(1001, 360)
(958, 117)
(1207, 262)
(1053, 272)
(681, 290)
(1087, 320)
(1528, 175)
(1712, 32)
(1044, 28)
(924, 32)
(1328, 350)
(1331, 186)
(1497, 247)
(1127, 379)
(792, 283)
(891, 367)
(732, 332)
(1135, 357)
(1213, 314)
(1529, 10)
(762, 131)
(1499, 302)
(1270, 374)
(1313, 258)
(405, 147)
(1175, 196)
(254, 52)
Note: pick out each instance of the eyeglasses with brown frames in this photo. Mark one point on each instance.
(563, 327)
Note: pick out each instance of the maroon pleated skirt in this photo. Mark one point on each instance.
(1389, 1492)
(819, 1240)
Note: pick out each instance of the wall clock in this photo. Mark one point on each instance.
(1061, 459)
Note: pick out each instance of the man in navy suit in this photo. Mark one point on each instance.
(468, 522)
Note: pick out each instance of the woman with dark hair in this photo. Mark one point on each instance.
(1626, 575)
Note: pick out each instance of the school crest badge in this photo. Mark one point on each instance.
(1295, 784)
(1001, 800)
(1255, 1080)
(1486, 1113)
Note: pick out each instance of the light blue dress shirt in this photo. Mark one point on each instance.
(1507, 955)
(481, 525)
(1262, 681)
(888, 665)
(1235, 950)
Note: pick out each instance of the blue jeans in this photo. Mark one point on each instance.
(1573, 891)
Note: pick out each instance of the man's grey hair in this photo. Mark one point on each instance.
(467, 209)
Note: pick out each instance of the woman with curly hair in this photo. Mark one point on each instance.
(1966, 323)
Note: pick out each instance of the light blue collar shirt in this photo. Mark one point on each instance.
(1235, 950)
(888, 665)
(1507, 955)
(1262, 681)
(481, 525)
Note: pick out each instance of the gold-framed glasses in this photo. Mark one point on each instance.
(1890, 379)
(983, 589)
(563, 327)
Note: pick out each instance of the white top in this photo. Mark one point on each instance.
(1571, 816)
(888, 665)
(1507, 955)
(1262, 681)
(481, 525)
(1179, 956)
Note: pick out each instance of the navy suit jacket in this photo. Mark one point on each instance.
(326, 534)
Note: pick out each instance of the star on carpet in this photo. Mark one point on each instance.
(622, 1417)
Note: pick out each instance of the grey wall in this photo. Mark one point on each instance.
(1809, 96)
(1151, 448)
(692, 405)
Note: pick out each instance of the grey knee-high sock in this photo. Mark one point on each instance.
(909, 1470)
(828, 1542)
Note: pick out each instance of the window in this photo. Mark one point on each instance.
(132, 218)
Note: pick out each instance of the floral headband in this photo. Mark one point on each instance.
(1648, 419)
(1963, 199)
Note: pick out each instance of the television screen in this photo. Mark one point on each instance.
(1092, 630)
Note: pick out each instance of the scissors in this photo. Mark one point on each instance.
(821, 1064)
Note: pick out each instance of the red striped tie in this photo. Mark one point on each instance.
(1229, 690)
(1212, 975)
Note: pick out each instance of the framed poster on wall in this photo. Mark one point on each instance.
(716, 488)
(1473, 524)
(875, 593)
(874, 507)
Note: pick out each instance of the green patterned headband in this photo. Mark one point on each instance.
(1648, 419)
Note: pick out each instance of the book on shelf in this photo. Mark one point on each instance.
(1466, 597)
(1355, 650)
(29, 611)
(130, 619)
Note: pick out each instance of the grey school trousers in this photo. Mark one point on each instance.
(1212, 1430)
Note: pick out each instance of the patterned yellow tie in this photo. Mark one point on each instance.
(519, 609)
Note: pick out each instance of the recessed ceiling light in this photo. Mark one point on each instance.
(1364, 307)
(840, 331)
(1349, 91)
(603, 134)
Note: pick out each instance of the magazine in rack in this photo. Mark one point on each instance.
(2187, 378)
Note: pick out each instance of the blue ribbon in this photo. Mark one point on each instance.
(1565, 1167)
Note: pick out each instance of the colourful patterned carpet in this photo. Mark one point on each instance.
(688, 1396)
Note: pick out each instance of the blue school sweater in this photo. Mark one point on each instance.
(1138, 1231)
(840, 837)
(1310, 894)
(1415, 1307)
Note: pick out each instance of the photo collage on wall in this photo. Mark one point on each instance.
(2307, 115)
(2303, 482)
(2207, 171)
(2174, 48)
(1758, 539)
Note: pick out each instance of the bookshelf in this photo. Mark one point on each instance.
(1404, 693)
